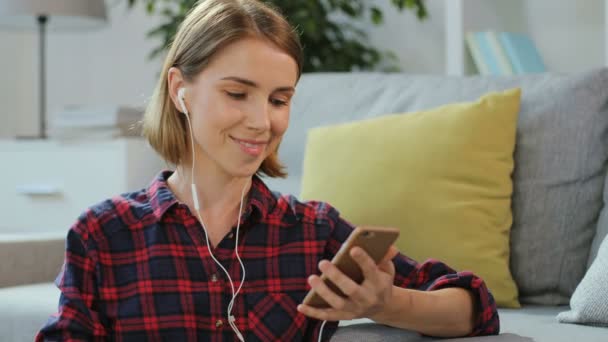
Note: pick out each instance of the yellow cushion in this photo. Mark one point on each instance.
(443, 176)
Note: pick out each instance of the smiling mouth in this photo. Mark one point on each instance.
(251, 147)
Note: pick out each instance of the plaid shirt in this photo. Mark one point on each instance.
(137, 268)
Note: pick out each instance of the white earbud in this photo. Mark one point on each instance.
(181, 93)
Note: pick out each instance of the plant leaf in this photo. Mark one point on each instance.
(377, 17)
(150, 6)
(331, 31)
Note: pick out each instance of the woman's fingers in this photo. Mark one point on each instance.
(324, 314)
(332, 298)
(390, 254)
(367, 264)
(341, 280)
(361, 299)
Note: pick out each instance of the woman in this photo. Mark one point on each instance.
(208, 252)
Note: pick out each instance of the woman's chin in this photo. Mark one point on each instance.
(247, 170)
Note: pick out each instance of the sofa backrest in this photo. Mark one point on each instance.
(560, 158)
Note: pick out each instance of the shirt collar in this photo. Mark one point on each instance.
(260, 199)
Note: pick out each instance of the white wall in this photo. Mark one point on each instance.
(418, 44)
(569, 34)
(571, 37)
(104, 66)
(110, 65)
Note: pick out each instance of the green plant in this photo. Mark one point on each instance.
(330, 42)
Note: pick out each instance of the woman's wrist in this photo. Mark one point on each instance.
(444, 313)
(393, 312)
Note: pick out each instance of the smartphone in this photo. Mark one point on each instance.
(375, 241)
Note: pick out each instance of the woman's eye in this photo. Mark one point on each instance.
(237, 96)
(277, 102)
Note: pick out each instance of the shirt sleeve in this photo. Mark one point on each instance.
(428, 276)
(77, 318)
(434, 275)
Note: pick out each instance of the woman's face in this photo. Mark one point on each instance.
(239, 105)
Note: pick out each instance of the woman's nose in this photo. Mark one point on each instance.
(259, 117)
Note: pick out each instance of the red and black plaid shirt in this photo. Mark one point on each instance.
(137, 268)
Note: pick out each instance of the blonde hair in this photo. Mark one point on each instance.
(209, 26)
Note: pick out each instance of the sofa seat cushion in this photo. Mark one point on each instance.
(369, 332)
(540, 322)
(531, 323)
(24, 310)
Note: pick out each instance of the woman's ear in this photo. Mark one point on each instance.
(175, 81)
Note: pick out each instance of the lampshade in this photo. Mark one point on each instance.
(62, 14)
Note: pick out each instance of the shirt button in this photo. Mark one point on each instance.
(214, 277)
(219, 323)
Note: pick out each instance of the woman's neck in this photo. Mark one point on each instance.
(219, 194)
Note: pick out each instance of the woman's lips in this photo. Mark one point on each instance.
(251, 147)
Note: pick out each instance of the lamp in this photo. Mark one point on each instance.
(52, 14)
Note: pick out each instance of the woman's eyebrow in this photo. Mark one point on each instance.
(255, 85)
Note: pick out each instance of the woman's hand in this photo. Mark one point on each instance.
(363, 300)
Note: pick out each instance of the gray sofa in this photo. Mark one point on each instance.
(560, 171)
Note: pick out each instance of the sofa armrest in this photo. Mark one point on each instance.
(30, 258)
